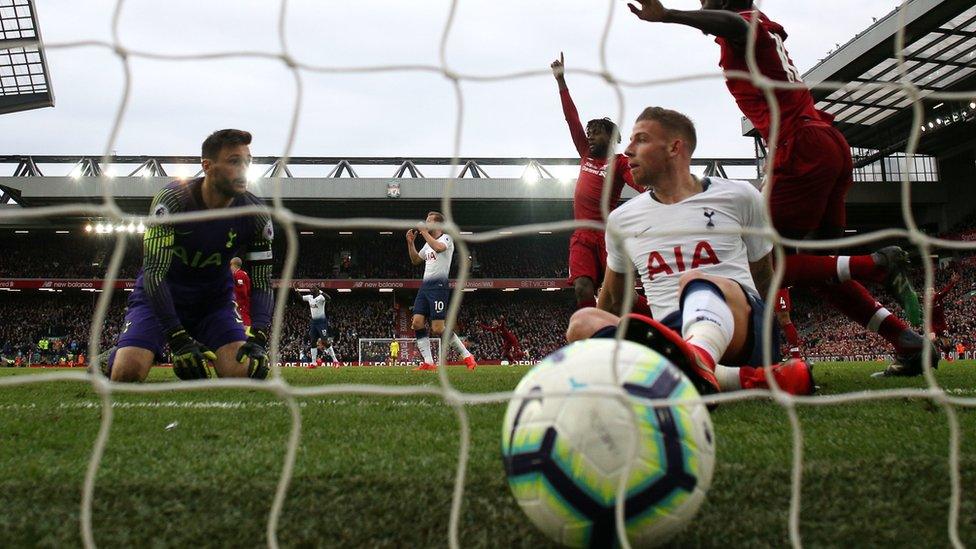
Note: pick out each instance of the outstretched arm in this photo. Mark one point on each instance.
(721, 23)
(576, 130)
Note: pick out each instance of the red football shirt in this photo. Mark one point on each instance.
(589, 185)
(796, 105)
(242, 295)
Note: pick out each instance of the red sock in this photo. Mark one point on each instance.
(793, 338)
(586, 303)
(752, 378)
(854, 300)
(804, 269)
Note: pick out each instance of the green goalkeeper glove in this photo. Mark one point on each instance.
(254, 354)
(191, 359)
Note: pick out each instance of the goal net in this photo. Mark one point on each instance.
(378, 349)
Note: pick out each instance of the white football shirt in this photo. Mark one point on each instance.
(316, 305)
(661, 258)
(438, 265)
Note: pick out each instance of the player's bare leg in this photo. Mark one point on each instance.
(227, 364)
(419, 325)
(585, 292)
(131, 364)
(437, 329)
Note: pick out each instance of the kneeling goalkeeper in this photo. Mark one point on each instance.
(184, 294)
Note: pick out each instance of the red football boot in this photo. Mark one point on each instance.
(793, 376)
(693, 361)
(425, 366)
(470, 362)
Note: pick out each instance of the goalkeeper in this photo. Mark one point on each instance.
(184, 294)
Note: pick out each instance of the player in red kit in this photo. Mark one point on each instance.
(587, 249)
(511, 349)
(812, 172)
(784, 304)
(940, 327)
(242, 290)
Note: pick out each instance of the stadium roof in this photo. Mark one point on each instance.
(940, 56)
(24, 79)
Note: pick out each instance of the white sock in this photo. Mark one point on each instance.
(423, 343)
(314, 353)
(332, 354)
(456, 342)
(879, 316)
(728, 378)
(843, 268)
(707, 320)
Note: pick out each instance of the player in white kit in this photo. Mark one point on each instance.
(319, 328)
(435, 292)
(701, 285)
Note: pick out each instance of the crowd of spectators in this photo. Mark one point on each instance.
(537, 319)
(347, 257)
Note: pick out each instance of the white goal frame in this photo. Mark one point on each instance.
(405, 343)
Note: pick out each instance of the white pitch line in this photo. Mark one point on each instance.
(220, 405)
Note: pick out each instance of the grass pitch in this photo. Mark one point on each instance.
(200, 469)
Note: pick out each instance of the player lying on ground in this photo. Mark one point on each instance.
(184, 294)
(587, 253)
(702, 285)
(435, 292)
(318, 328)
(812, 172)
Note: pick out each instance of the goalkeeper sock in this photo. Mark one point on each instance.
(331, 352)
(456, 342)
(707, 321)
(423, 343)
(314, 354)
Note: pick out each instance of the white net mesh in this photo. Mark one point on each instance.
(276, 385)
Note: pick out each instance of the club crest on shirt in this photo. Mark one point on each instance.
(268, 230)
(709, 213)
(160, 210)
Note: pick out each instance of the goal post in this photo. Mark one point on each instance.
(377, 350)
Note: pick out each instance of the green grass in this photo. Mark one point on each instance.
(379, 471)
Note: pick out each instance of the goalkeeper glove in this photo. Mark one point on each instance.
(254, 355)
(191, 359)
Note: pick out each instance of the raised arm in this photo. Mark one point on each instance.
(721, 23)
(412, 249)
(576, 130)
(434, 244)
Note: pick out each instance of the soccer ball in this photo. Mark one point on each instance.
(565, 455)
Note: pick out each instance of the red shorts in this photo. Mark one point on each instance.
(813, 171)
(587, 256)
(783, 302)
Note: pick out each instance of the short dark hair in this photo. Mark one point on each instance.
(605, 124)
(674, 122)
(739, 5)
(215, 142)
(438, 216)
